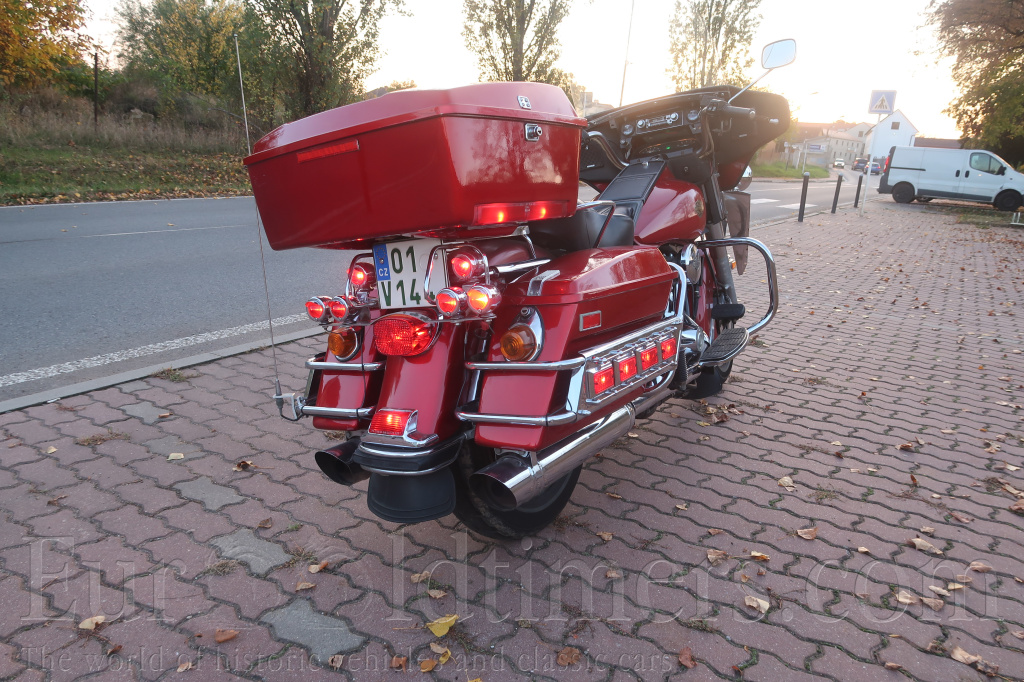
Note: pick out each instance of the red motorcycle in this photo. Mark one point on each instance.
(492, 333)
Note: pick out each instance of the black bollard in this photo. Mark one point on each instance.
(803, 197)
(835, 200)
(856, 197)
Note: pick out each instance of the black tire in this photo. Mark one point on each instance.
(923, 200)
(1007, 201)
(903, 193)
(710, 381)
(473, 509)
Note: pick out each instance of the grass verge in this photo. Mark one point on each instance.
(779, 170)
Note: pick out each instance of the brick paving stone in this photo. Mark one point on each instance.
(259, 555)
(116, 561)
(149, 497)
(168, 444)
(22, 608)
(322, 635)
(131, 524)
(145, 411)
(178, 551)
(211, 495)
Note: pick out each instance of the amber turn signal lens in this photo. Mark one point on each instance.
(483, 299)
(518, 343)
(342, 343)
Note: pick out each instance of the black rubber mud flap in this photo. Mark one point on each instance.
(412, 499)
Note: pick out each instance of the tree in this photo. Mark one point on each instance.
(986, 40)
(37, 38)
(515, 40)
(710, 41)
(327, 48)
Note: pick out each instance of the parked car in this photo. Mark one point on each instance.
(839, 163)
(858, 164)
(925, 173)
(875, 168)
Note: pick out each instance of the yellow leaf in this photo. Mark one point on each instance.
(864, 550)
(962, 656)
(787, 483)
(808, 533)
(942, 592)
(91, 623)
(50, 450)
(419, 577)
(681, 507)
(755, 603)
(187, 665)
(927, 530)
(444, 657)
(605, 536)
(442, 625)
(936, 604)
(905, 597)
(954, 586)
(438, 648)
(758, 556)
(717, 556)
(437, 594)
(316, 568)
(304, 586)
(924, 546)
(427, 665)
(175, 455)
(979, 567)
(614, 496)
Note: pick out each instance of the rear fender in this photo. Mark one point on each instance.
(349, 389)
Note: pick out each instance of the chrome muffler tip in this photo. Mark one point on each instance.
(499, 483)
(336, 462)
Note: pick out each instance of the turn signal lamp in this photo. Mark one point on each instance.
(403, 335)
(318, 310)
(648, 358)
(362, 277)
(339, 308)
(390, 422)
(342, 343)
(604, 380)
(483, 299)
(627, 368)
(450, 301)
(518, 343)
(668, 349)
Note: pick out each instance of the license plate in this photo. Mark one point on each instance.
(401, 267)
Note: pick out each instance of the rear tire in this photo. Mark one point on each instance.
(923, 200)
(1007, 201)
(903, 193)
(473, 509)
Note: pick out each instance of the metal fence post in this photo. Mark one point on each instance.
(856, 197)
(803, 197)
(835, 200)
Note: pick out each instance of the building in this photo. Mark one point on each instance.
(826, 142)
(895, 130)
(940, 142)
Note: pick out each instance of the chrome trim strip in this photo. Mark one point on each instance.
(555, 419)
(557, 365)
(773, 284)
(313, 363)
(521, 266)
(537, 283)
(339, 412)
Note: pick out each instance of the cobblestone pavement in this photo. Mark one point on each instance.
(888, 391)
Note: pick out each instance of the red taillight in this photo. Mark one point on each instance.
(467, 264)
(498, 214)
(390, 422)
(450, 301)
(668, 349)
(648, 358)
(627, 368)
(362, 276)
(339, 309)
(604, 380)
(403, 335)
(317, 309)
(482, 299)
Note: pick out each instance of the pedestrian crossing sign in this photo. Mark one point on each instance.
(882, 102)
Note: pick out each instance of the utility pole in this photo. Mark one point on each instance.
(629, 34)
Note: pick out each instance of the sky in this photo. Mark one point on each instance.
(841, 55)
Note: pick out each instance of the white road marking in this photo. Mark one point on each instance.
(180, 229)
(763, 201)
(99, 360)
(798, 206)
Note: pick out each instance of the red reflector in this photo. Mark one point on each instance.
(402, 335)
(668, 349)
(604, 380)
(316, 309)
(496, 214)
(462, 266)
(648, 358)
(590, 320)
(627, 368)
(390, 422)
(330, 150)
(542, 210)
(339, 309)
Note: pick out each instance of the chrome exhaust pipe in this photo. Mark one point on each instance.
(512, 481)
(337, 463)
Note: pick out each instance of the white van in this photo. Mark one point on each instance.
(926, 173)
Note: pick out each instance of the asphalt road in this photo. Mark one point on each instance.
(93, 290)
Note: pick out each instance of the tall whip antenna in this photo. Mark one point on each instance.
(278, 397)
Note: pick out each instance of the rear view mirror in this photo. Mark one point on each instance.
(1001, 171)
(779, 53)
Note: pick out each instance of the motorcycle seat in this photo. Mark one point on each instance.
(589, 228)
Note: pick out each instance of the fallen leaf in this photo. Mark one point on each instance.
(438, 648)
(1017, 507)
(935, 603)
(905, 597)
(913, 480)
(966, 579)
(115, 649)
(336, 661)
(614, 496)
(220, 636)
(419, 577)
(808, 533)
(442, 625)
(924, 546)
(744, 578)
(717, 556)
(990, 669)
(175, 455)
(604, 535)
(244, 465)
(942, 592)
(715, 531)
(316, 568)
(187, 665)
(612, 574)
(265, 523)
(427, 665)
(304, 586)
(864, 550)
(787, 483)
(686, 658)
(703, 423)
(947, 431)
(927, 530)
(835, 442)
(163, 415)
(444, 657)
(755, 603)
(979, 567)
(1019, 634)
(893, 666)
(437, 594)
(681, 507)
(50, 450)
(758, 556)
(962, 656)
(568, 656)
(399, 662)
(91, 623)
(961, 517)
(954, 586)
(905, 446)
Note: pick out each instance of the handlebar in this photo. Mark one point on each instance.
(724, 107)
